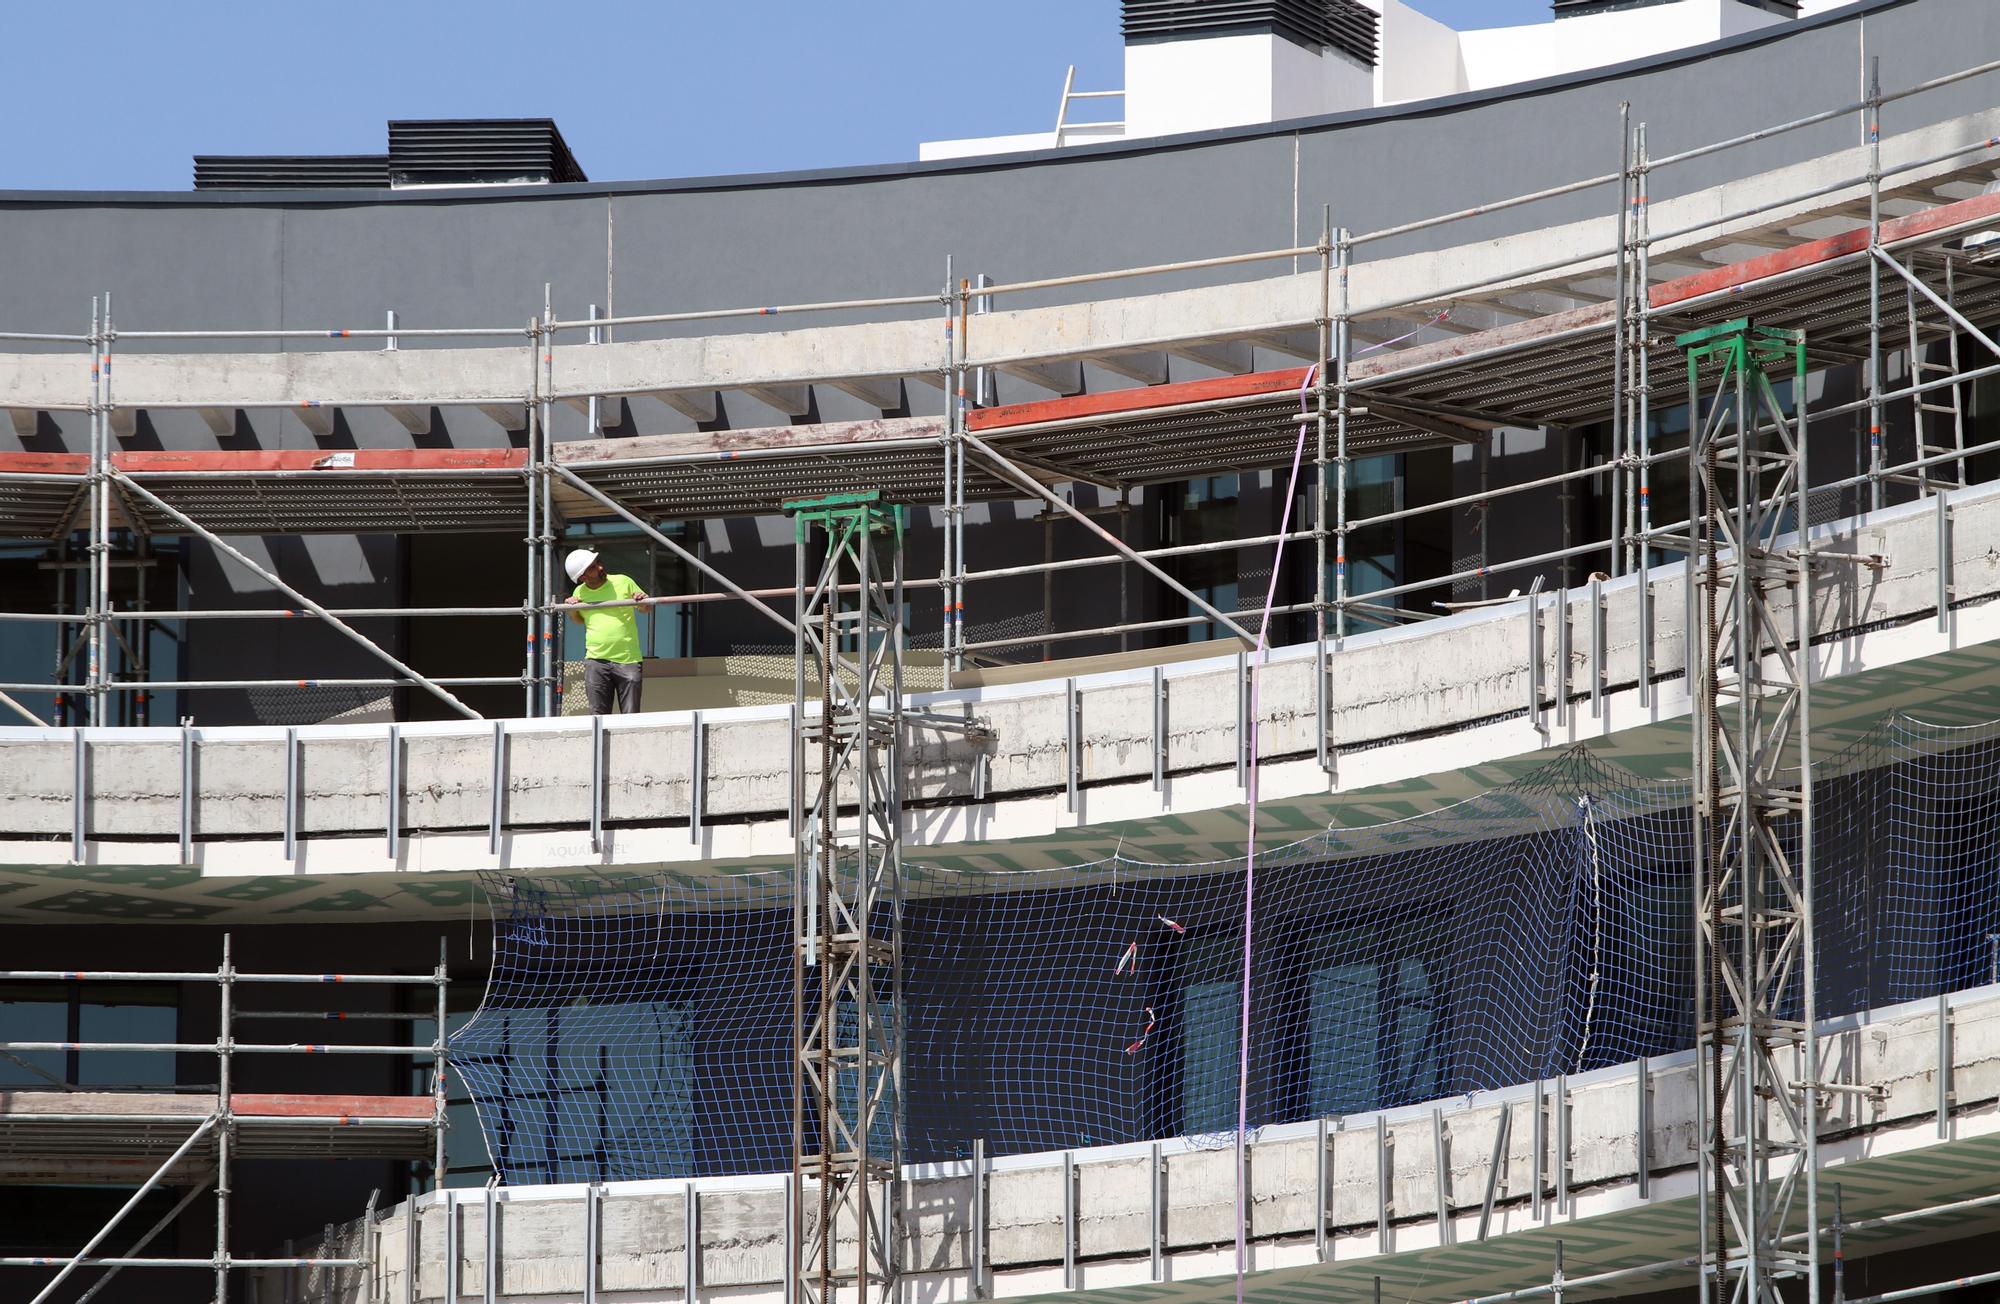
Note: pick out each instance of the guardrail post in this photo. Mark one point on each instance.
(291, 795)
(698, 764)
(1159, 729)
(1155, 1179)
(1384, 1192)
(976, 1250)
(1597, 672)
(1069, 1219)
(597, 782)
(392, 825)
(1072, 743)
(499, 787)
(1944, 585)
(187, 795)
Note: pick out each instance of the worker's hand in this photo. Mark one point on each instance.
(573, 601)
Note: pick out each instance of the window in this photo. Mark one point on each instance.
(1206, 512)
(78, 1012)
(1372, 996)
(597, 1092)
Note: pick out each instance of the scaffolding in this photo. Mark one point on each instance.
(847, 1066)
(1429, 366)
(193, 1142)
(1756, 1030)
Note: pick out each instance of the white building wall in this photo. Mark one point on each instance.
(1233, 81)
(1422, 59)
(1500, 56)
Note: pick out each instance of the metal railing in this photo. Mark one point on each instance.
(219, 1125)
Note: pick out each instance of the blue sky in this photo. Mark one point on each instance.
(120, 94)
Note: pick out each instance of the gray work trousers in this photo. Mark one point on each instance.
(606, 682)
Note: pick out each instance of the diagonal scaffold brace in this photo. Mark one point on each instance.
(847, 1071)
(1750, 669)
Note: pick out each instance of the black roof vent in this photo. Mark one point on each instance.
(291, 171)
(479, 152)
(1347, 25)
(1568, 8)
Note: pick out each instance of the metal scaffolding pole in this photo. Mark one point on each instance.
(1624, 507)
(100, 360)
(544, 403)
(532, 667)
(235, 554)
(1342, 341)
(1642, 391)
(1754, 943)
(847, 957)
(1322, 708)
(1874, 112)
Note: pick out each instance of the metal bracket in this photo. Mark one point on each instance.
(1535, 656)
(490, 1266)
(596, 783)
(976, 1255)
(499, 787)
(1072, 742)
(291, 794)
(1069, 1219)
(1945, 590)
(691, 1206)
(1443, 1174)
(1156, 1177)
(1384, 1191)
(1242, 720)
(592, 1232)
(1320, 1192)
(696, 776)
(1643, 1162)
(392, 824)
(187, 795)
(1159, 729)
(1496, 1168)
(1597, 667)
(79, 796)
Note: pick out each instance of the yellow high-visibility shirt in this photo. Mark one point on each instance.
(611, 634)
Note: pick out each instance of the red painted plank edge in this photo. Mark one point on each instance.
(1136, 400)
(45, 463)
(1752, 270)
(295, 1105)
(307, 459)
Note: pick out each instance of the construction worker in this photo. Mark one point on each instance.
(611, 656)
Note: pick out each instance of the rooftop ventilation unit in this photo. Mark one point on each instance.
(291, 171)
(479, 152)
(1569, 8)
(445, 152)
(1346, 25)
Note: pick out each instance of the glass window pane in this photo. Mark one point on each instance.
(1344, 1016)
(127, 1023)
(31, 1020)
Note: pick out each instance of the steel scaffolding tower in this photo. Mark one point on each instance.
(1753, 835)
(847, 962)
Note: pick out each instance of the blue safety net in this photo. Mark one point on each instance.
(642, 1026)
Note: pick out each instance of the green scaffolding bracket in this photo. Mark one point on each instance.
(843, 515)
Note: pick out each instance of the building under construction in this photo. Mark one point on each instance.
(1380, 683)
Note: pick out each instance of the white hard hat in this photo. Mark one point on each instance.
(579, 561)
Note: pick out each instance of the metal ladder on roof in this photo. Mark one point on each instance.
(1938, 415)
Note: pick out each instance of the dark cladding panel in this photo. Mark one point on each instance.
(1347, 25)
